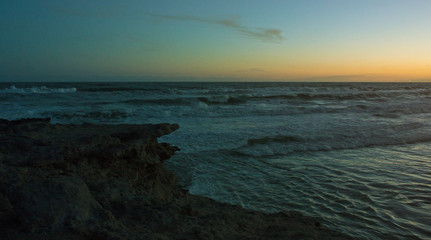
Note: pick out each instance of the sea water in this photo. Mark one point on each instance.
(355, 155)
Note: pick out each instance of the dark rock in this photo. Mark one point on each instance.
(55, 203)
(108, 182)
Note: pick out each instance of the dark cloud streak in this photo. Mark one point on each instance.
(264, 34)
(115, 10)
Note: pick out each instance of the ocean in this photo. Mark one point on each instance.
(355, 155)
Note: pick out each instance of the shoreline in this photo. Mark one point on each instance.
(67, 181)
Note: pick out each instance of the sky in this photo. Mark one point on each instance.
(235, 40)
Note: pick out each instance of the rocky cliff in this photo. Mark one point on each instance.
(90, 181)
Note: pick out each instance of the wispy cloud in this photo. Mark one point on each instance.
(264, 34)
(257, 70)
(252, 71)
(114, 9)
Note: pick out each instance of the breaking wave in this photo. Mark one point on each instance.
(234, 99)
(287, 144)
(41, 89)
(355, 152)
(99, 116)
(165, 101)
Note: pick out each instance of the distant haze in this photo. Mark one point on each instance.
(244, 40)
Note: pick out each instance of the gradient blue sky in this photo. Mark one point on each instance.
(331, 40)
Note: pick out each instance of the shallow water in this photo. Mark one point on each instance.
(356, 155)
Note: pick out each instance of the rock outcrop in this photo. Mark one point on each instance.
(65, 181)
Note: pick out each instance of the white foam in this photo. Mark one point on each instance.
(41, 89)
(202, 105)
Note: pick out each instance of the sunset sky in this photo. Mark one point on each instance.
(304, 40)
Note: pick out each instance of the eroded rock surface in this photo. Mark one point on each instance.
(90, 181)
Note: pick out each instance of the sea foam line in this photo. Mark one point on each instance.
(41, 89)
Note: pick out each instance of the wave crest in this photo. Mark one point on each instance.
(41, 89)
(276, 139)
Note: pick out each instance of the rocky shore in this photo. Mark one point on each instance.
(65, 181)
